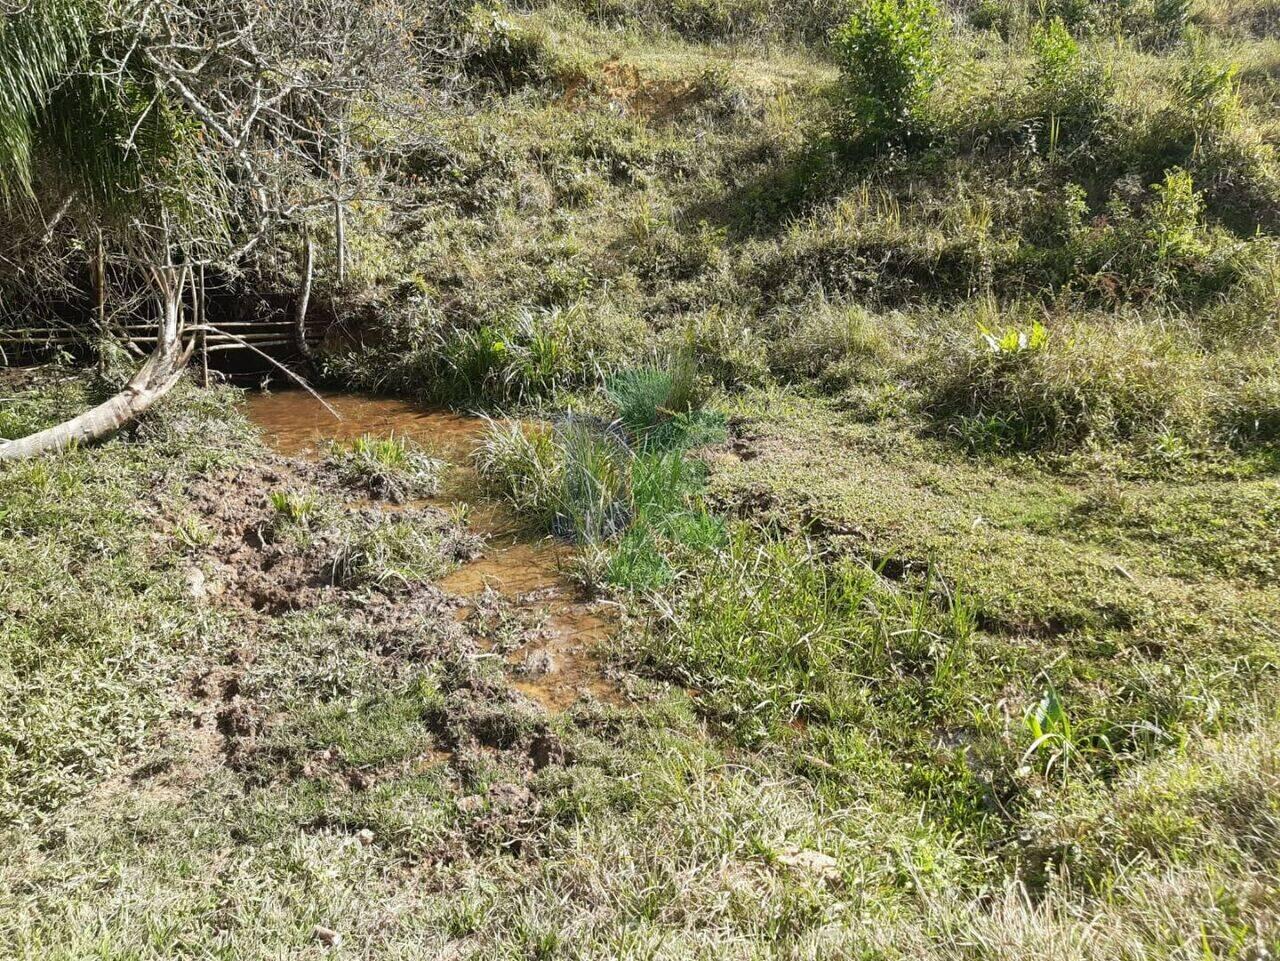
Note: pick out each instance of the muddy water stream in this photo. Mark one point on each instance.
(558, 664)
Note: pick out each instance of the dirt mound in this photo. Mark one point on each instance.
(254, 553)
(652, 98)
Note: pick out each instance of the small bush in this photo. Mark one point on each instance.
(508, 55)
(1174, 220)
(1027, 388)
(1067, 90)
(890, 56)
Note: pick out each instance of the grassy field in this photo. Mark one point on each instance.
(934, 474)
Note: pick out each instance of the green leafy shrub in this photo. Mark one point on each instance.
(1068, 90)
(890, 56)
(506, 54)
(1173, 222)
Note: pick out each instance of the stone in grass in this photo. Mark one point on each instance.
(810, 863)
(326, 936)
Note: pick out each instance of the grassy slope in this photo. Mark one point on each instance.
(873, 720)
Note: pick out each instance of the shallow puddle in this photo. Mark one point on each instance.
(560, 664)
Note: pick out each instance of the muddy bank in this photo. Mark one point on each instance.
(508, 590)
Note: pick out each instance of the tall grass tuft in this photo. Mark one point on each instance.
(392, 468)
(571, 479)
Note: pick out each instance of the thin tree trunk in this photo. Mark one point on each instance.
(304, 296)
(100, 292)
(155, 378)
(204, 335)
(340, 240)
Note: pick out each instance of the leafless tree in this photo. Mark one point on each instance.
(279, 109)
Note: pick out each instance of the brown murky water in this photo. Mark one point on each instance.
(559, 664)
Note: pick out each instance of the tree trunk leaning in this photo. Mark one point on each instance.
(304, 295)
(156, 377)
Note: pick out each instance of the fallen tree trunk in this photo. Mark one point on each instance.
(162, 370)
(152, 381)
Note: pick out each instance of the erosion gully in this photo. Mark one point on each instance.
(559, 664)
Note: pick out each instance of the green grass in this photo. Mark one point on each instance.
(854, 752)
(97, 626)
(934, 487)
(388, 467)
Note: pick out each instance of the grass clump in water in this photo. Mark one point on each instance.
(570, 479)
(391, 468)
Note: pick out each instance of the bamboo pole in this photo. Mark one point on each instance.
(204, 335)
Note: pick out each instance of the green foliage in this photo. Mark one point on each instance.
(398, 551)
(1171, 17)
(294, 508)
(1025, 389)
(670, 527)
(389, 467)
(1052, 734)
(1066, 88)
(504, 53)
(571, 479)
(890, 56)
(1207, 93)
(530, 354)
(768, 634)
(1174, 222)
(38, 47)
(63, 131)
(1014, 341)
(593, 502)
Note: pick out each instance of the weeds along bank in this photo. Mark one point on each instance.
(307, 752)
(937, 481)
(1111, 180)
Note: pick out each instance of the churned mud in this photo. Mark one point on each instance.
(511, 597)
